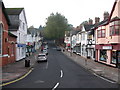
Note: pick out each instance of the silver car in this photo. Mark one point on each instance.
(41, 57)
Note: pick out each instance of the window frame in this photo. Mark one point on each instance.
(112, 57)
(113, 30)
(100, 33)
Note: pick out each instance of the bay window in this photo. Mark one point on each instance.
(115, 28)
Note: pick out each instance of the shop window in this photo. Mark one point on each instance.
(118, 55)
(103, 55)
(113, 57)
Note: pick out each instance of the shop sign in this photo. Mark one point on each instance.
(107, 47)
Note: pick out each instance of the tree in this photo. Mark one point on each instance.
(56, 26)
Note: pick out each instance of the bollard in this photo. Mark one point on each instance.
(63, 50)
(27, 63)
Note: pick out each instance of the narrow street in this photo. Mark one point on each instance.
(60, 72)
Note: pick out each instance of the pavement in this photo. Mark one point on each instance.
(16, 70)
(101, 70)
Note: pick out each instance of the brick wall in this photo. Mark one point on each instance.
(11, 49)
(4, 41)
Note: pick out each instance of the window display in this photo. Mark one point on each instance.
(103, 55)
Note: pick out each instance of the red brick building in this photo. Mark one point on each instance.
(11, 47)
(4, 23)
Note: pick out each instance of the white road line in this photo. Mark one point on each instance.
(47, 65)
(56, 86)
(104, 78)
(61, 73)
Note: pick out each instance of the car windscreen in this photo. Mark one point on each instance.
(41, 55)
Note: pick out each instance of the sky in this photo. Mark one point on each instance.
(75, 11)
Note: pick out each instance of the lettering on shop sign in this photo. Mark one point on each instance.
(107, 47)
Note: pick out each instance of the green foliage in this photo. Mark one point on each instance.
(56, 26)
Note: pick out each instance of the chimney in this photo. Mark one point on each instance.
(106, 15)
(97, 20)
(90, 21)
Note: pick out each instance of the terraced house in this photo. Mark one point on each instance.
(18, 27)
(108, 38)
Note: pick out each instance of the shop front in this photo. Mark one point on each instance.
(108, 54)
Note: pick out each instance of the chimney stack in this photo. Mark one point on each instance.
(97, 20)
(90, 21)
(106, 15)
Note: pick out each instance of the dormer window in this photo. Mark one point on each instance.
(115, 27)
(101, 32)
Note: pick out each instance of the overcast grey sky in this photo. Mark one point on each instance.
(76, 11)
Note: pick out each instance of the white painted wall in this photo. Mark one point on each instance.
(73, 40)
(21, 37)
(78, 38)
(83, 42)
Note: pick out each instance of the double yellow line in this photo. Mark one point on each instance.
(4, 84)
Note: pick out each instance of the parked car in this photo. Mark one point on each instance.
(45, 51)
(46, 46)
(41, 57)
(74, 51)
(78, 53)
(58, 49)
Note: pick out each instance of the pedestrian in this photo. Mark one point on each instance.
(41, 48)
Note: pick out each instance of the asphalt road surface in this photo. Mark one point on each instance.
(60, 72)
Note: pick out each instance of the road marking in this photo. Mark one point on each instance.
(61, 73)
(4, 84)
(104, 78)
(56, 86)
(47, 65)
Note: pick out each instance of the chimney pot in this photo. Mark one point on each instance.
(97, 20)
(106, 15)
